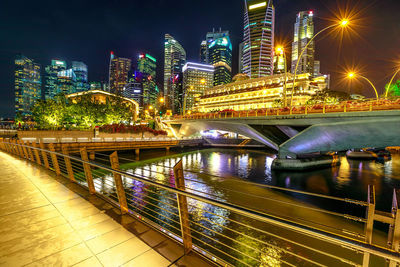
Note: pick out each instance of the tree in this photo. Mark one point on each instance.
(394, 89)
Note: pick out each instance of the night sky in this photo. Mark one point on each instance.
(88, 30)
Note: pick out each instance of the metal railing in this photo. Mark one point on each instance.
(344, 107)
(226, 233)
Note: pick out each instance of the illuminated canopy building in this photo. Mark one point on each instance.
(147, 76)
(81, 72)
(220, 56)
(303, 32)
(174, 59)
(258, 41)
(264, 92)
(51, 77)
(27, 84)
(118, 73)
(196, 79)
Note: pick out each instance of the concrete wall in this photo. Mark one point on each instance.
(77, 134)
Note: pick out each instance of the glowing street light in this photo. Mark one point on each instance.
(161, 100)
(391, 81)
(150, 107)
(344, 23)
(280, 50)
(353, 75)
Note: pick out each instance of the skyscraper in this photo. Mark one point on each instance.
(203, 52)
(66, 82)
(51, 76)
(147, 76)
(303, 32)
(28, 84)
(196, 78)
(118, 73)
(279, 64)
(258, 48)
(81, 72)
(241, 47)
(174, 59)
(220, 56)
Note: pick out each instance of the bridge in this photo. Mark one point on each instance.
(306, 129)
(228, 234)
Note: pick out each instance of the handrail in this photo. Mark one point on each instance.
(285, 224)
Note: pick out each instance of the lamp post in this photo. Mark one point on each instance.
(343, 23)
(281, 51)
(352, 75)
(391, 81)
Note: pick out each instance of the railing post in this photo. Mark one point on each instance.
(306, 110)
(394, 229)
(21, 151)
(68, 164)
(118, 183)
(36, 152)
(369, 226)
(88, 171)
(345, 107)
(323, 108)
(44, 155)
(54, 159)
(370, 105)
(183, 208)
(13, 147)
(25, 150)
(31, 157)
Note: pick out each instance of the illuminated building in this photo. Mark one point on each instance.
(258, 38)
(66, 81)
(220, 56)
(264, 92)
(241, 46)
(203, 51)
(118, 73)
(81, 72)
(51, 76)
(147, 76)
(211, 37)
(303, 32)
(134, 90)
(317, 68)
(279, 64)
(174, 59)
(95, 86)
(28, 84)
(196, 79)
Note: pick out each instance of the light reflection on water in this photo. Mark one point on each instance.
(349, 180)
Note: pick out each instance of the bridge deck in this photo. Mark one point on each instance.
(44, 223)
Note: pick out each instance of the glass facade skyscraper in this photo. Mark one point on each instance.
(303, 32)
(174, 60)
(220, 56)
(51, 77)
(258, 47)
(203, 51)
(81, 72)
(118, 73)
(28, 84)
(66, 82)
(147, 66)
(196, 79)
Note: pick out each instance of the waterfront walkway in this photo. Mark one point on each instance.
(47, 221)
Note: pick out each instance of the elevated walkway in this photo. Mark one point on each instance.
(46, 220)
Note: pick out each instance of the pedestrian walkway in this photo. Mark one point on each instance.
(44, 223)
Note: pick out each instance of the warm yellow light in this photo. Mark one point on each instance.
(279, 50)
(351, 75)
(257, 5)
(150, 107)
(189, 112)
(344, 23)
(161, 99)
(203, 81)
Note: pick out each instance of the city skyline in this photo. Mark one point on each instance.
(285, 15)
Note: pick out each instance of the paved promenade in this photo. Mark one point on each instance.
(44, 223)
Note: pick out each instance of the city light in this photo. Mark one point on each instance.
(344, 23)
(161, 100)
(352, 75)
(279, 50)
(203, 81)
(150, 107)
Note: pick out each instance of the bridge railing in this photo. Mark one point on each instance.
(343, 107)
(227, 233)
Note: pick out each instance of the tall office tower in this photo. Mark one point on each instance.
(134, 90)
(174, 59)
(279, 64)
(220, 56)
(81, 71)
(28, 84)
(203, 51)
(303, 32)
(147, 76)
(317, 68)
(51, 76)
(66, 82)
(196, 79)
(258, 38)
(240, 67)
(118, 73)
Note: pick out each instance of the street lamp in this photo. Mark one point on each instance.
(161, 100)
(391, 81)
(341, 24)
(281, 51)
(353, 75)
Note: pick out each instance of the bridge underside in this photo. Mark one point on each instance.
(296, 136)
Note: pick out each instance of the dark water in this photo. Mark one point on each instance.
(233, 176)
